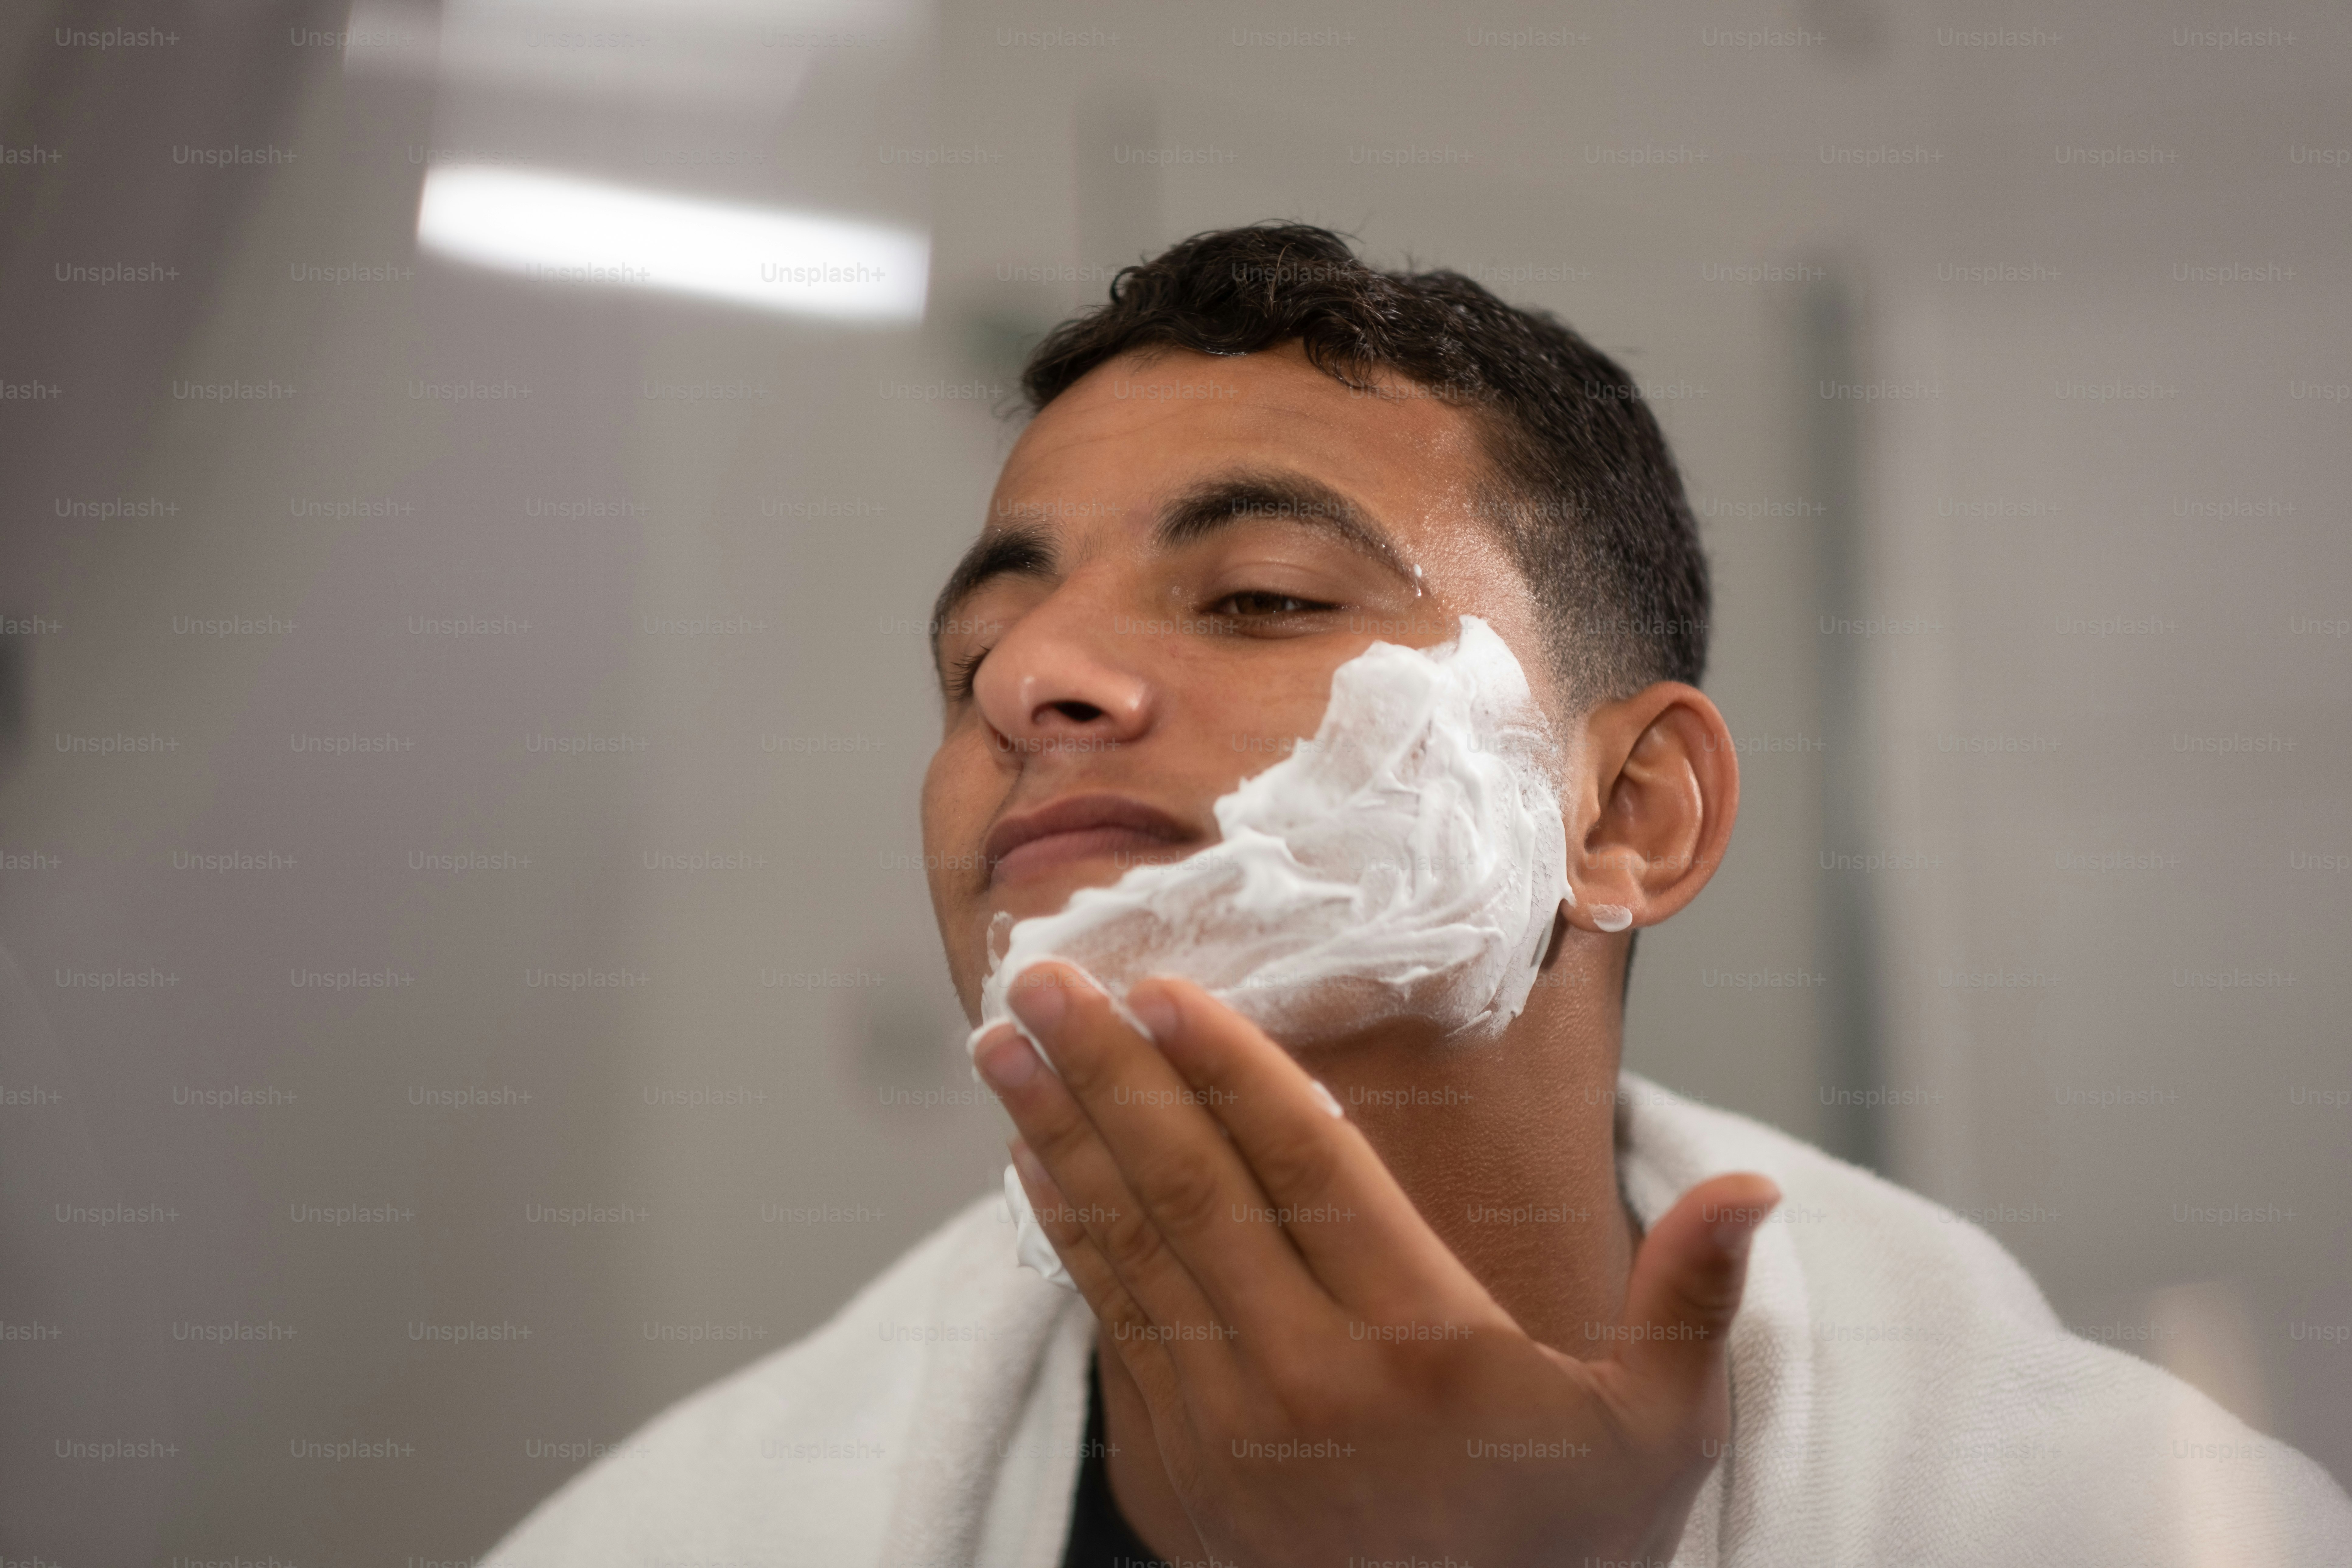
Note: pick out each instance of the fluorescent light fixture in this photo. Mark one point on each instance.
(562, 230)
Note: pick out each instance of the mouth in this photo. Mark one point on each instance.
(1080, 827)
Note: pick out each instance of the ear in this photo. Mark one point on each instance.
(1660, 789)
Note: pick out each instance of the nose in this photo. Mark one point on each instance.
(1060, 679)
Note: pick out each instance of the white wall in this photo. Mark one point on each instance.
(1634, 255)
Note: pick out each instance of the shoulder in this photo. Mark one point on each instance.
(1904, 1360)
(1862, 1239)
(804, 1446)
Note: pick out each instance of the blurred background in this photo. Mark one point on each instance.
(474, 480)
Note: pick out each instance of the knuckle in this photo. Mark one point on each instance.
(1118, 1311)
(1078, 1057)
(1298, 1168)
(1058, 1137)
(1710, 1293)
(1131, 1242)
(1060, 1224)
(1183, 1195)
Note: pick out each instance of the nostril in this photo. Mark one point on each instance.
(1077, 712)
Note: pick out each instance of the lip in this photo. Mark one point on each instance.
(1078, 827)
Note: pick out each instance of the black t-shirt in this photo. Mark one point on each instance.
(1100, 1536)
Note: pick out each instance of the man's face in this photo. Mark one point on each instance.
(1179, 554)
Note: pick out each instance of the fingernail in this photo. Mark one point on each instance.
(1006, 1059)
(1037, 1000)
(1733, 1240)
(1157, 1012)
(1326, 1099)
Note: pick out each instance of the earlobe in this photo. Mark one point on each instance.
(1665, 793)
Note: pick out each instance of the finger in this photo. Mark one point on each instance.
(1144, 1352)
(1191, 1183)
(1687, 1281)
(1099, 1203)
(1357, 1228)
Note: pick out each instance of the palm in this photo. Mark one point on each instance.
(1331, 1382)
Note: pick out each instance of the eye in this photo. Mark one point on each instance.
(1263, 602)
(957, 681)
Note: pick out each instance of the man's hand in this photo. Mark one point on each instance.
(1326, 1379)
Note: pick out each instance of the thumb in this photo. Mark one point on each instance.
(1686, 1288)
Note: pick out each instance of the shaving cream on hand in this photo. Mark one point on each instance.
(1406, 861)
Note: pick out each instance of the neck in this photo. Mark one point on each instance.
(1507, 1147)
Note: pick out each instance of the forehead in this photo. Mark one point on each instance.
(1138, 428)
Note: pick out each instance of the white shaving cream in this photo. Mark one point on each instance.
(1407, 860)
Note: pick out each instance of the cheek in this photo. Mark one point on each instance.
(961, 788)
(942, 805)
(1234, 712)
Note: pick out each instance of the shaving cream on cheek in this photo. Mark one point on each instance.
(1406, 861)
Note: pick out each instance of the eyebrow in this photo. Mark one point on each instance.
(1023, 550)
(1026, 550)
(1283, 495)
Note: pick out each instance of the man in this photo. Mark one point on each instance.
(1299, 1335)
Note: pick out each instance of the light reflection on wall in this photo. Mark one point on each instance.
(560, 229)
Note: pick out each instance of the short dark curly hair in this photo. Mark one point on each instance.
(1585, 491)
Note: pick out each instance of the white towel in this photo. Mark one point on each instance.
(1901, 1395)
